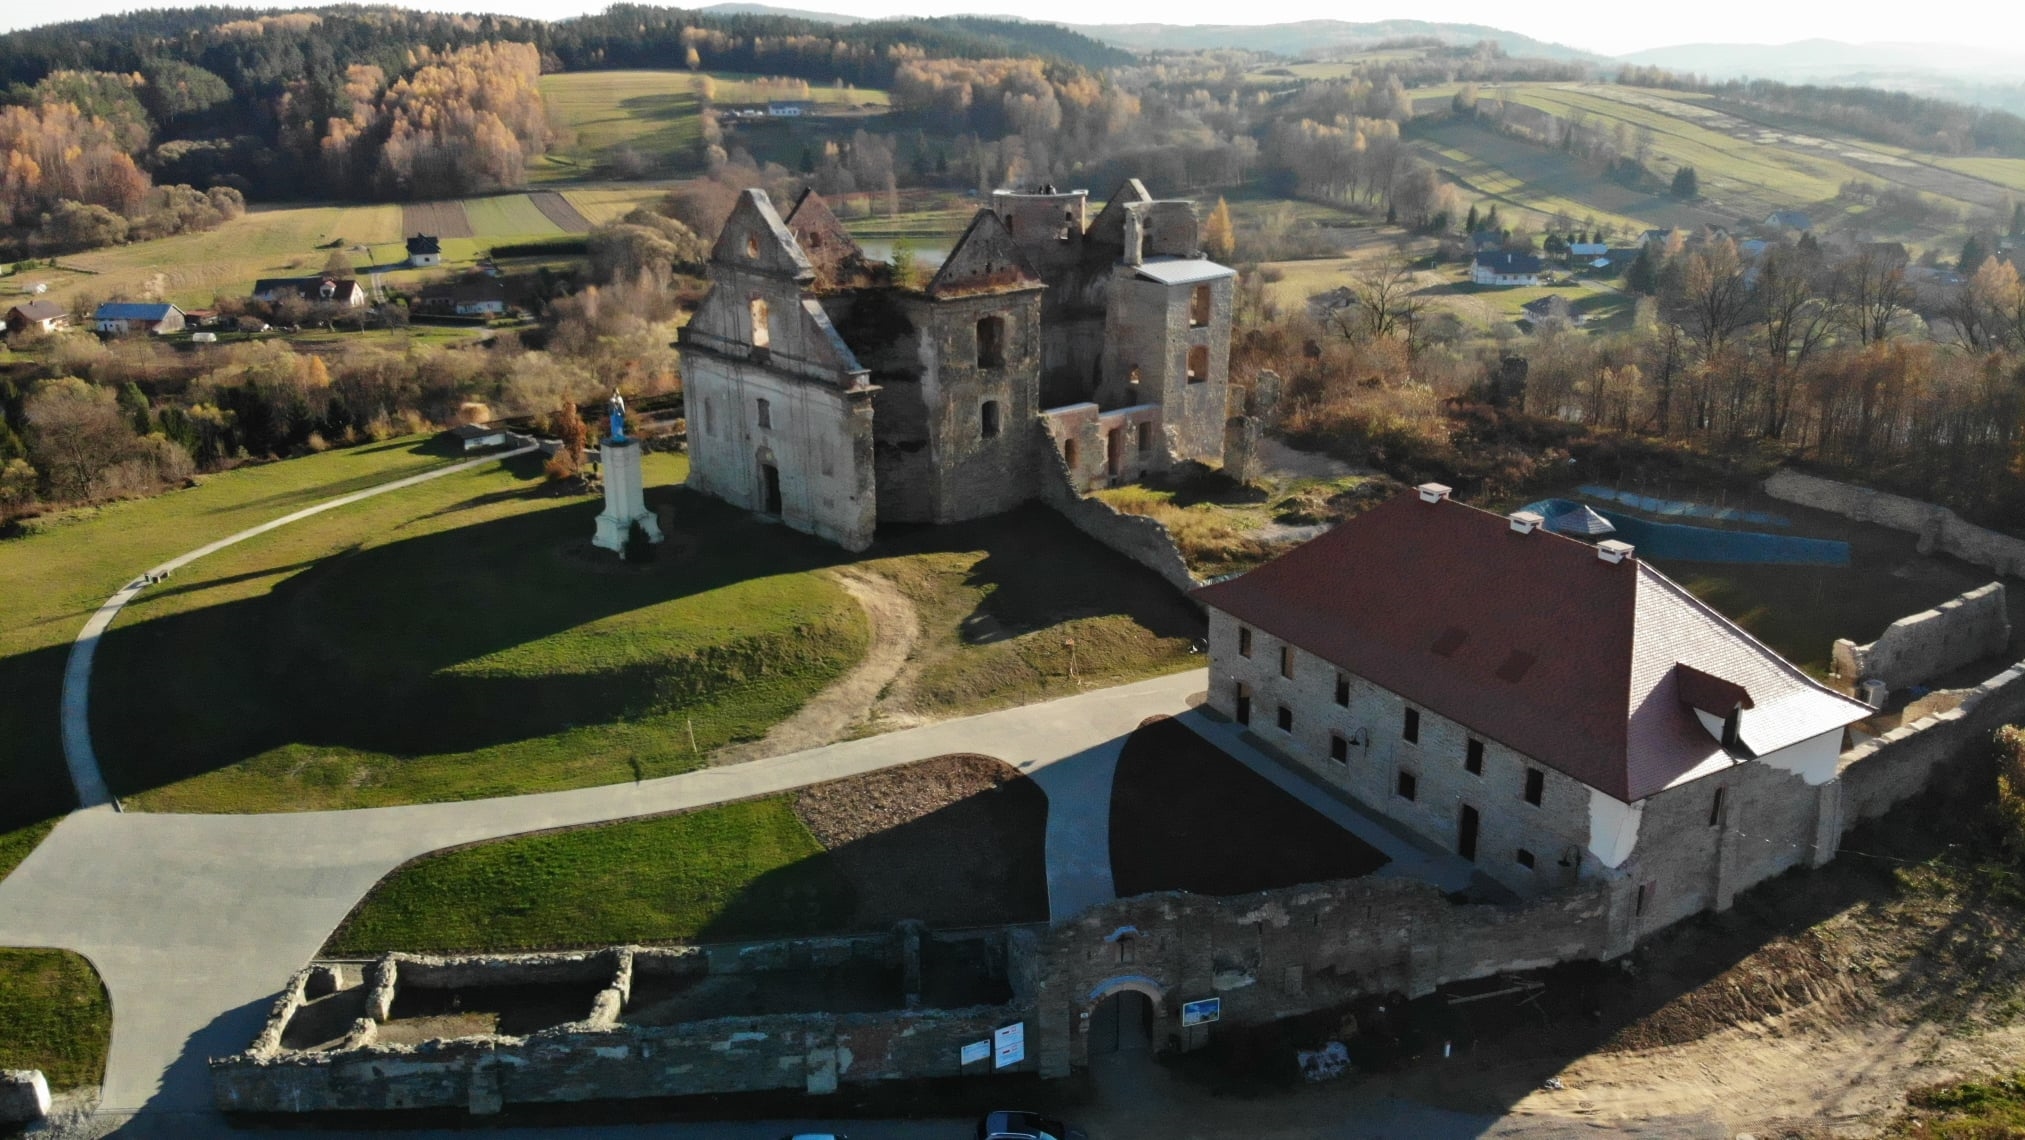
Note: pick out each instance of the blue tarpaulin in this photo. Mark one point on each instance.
(1679, 542)
(1654, 506)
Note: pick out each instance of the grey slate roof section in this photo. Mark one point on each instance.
(1184, 270)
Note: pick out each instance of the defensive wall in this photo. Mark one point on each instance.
(1939, 528)
(1878, 774)
(1921, 646)
(1143, 540)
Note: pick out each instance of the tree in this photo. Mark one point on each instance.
(78, 433)
(135, 405)
(1219, 237)
(338, 264)
(1871, 291)
(569, 427)
(1643, 276)
(17, 485)
(1973, 255)
(1686, 184)
(1470, 226)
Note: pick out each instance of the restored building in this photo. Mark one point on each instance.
(121, 317)
(820, 389)
(425, 250)
(321, 290)
(476, 296)
(1501, 268)
(1553, 711)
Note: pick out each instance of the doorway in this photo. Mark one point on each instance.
(1466, 834)
(1122, 1023)
(769, 477)
(1244, 703)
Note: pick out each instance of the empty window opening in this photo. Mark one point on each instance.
(1125, 950)
(1198, 364)
(762, 333)
(1199, 307)
(1466, 834)
(989, 415)
(709, 420)
(1114, 451)
(1132, 384)
(1145, 432)
(1287, 662)
(752, 245)
(1342, 690)
(1339, 748)
(1243, 703)
(1286, 719)
(1068, 230)
(1716, 809)
(1536, 785)
(1410, 732)
(1524, 858)
(1070, 454)
(1244, 642)
(765, 412)
(1009, 223)
(815, 240)
(1645, 893)
(1408, 786)
(769, 479)
(991, 342)
(1473, 757)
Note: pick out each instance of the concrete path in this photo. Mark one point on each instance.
(1412, 857)
(77, 751)
(1079, 826)
(196, 921)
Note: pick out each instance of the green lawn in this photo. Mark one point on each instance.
(739, 870)
(460, 640)
(54, 1016)
(508, 216)
(53, 578)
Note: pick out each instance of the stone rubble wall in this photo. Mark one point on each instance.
(1916, 648)
(24, 1096)
(1143, 540)
(1939, 528)
(1879, 774)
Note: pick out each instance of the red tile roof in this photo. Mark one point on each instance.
(1529, 639)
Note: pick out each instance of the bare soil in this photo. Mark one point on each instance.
(953, 841)
(437, 219)
(558, 209)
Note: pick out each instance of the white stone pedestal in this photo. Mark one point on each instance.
(625, 497)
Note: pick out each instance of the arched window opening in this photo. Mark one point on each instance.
(762, 333)
(752, 245)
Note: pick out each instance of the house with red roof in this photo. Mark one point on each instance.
(1552, 710)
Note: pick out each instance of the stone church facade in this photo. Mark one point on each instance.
(820, 390)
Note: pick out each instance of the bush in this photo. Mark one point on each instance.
(639, 548)
(2011, 787)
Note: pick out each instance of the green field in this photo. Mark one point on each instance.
(54, 1016)
(610, 204)
(53, 578)
(496, 651)
(504, 216)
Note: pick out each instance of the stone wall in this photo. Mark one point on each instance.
(1881, 773)
(1921, 646)
(1137, 537)
(1939, 528)
(24, 1096)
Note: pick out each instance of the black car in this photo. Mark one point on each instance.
(1023, 1126)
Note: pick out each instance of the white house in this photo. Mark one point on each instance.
(121, 317)
(425, 250)
(1501, 268)
(1550, 710)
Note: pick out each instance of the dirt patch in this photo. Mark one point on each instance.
(424, 1014)
(437, 219)
(952, 841)
(559, 210)
(1186, 816)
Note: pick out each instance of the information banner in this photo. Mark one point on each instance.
(1009, 1045)
(976, 1051)
(1201, 1012)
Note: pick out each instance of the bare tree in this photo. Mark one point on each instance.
(1870, 290)
(78, 433)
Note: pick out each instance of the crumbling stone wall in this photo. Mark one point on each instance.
(1921, 646)
(1879, 774)
(24, 1096)
(1137, 537)
(1939, 528)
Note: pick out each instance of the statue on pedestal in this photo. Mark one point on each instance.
(618, 417)
(625, 497)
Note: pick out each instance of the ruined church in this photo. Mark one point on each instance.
(821, 390)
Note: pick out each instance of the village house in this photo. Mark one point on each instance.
(37, 316)
(1501, 268)
(1587, 249)
(473, 297)
(1044, 352)
(1789, 220)
(121, 317)
(1550, 710)
(320, 290)
(425, 250)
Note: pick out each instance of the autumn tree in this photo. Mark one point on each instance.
(77, 434)
(1219, 238)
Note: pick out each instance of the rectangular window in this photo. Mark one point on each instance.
(1342, 691)
(708, 419)
(1244, 642)
(1525, 858)
(1473, 757)
(1287, 662)
(1198, 364)
(1145, 437)
(1286, 719)
(762, 333)
(1199, 307)
(1411, 732)
(1645, 893)
(989, 415)
(1716, 809)
(991, 342)
(1536, 785)
(1339, 748)
(765, 413)
(1408, 786)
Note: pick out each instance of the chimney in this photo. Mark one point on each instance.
(1611, 550)
(1433, 492)
(1526, 522)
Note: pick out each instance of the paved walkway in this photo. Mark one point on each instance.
(196, 921)
(77, 750)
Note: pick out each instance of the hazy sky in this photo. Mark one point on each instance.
(1608, 26)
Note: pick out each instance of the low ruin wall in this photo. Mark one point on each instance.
(24, 1096)
(1879, 774)
(1939, 528)
(1916, 648)
(1137, 537)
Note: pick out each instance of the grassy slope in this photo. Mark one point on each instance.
(495, 654)
(54, 1016)
(51, 580)
(503, 216)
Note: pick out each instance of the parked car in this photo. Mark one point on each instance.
(1010, 1125)
(817, 1136)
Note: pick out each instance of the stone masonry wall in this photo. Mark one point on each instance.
(1137, 537)
(1881, 773)
(1938, 527)
(1921, 646)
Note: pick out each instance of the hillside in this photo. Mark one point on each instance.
(1308, 37)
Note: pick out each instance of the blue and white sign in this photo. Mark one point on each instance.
(1201, 1012)
(976, 1051)
(1009, 1045)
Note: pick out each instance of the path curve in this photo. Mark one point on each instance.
(826, 716)
(85, 775)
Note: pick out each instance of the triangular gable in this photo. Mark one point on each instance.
(829, 247)
(1110, 224)
(755, 238)
(986, 260)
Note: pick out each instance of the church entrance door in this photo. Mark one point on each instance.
(769, 476)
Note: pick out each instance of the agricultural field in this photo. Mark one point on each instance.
(608, 204)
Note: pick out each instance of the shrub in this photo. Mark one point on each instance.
(2011, 787)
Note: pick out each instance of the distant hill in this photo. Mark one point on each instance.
(1308, 36)
(789, 13)
(1982, 77)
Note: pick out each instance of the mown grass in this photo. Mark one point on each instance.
(1223, 528)
(1973, 1110)
(458, 640)
(508, 216)
(609, 205)
(54, 576)
(737, 870)
(54, 1016)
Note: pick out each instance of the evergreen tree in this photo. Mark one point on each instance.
(1973, 256)
(2018, 220)
(1470, 225)
(1491, 220)
(135, 405)
(1686, 184)
(1643, 276)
